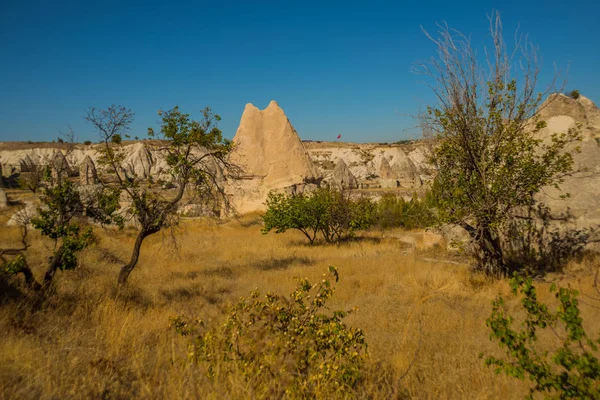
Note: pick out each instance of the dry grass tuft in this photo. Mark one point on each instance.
(424, 320)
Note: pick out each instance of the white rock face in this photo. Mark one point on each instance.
(273, 158)
(3, 199)
(268, 147)
(271, 155)
(342, 177)
(87, 172)
(23, 216)
(376, 166)
(140, 162)
(562, 113)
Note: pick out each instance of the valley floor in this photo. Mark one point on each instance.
(424, 317)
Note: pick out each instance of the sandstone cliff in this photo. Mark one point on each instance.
(268, 150)
(273, 157)
(583, 185)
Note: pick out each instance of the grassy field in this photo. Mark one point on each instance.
(422, 310)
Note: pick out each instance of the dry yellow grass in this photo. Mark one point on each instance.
(424, 320)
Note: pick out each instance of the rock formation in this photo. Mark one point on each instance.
(390, 166)
(268, 147)
(59, 165)
(583, 185)
(342, 178)
(139, 162)
(87, 172)
(581, 210)
(399, 169)
(272, 157)
(26, 164)
(3, 199)
(385, 170)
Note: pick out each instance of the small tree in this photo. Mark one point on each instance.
(569, 371)
(60, 217)
(294, 344)
(195, 153)
(332, 213)
(292, 212)
(343, 216)
(31, 180)
(393, 211)
(489, 157)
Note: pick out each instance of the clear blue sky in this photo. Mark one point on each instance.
(334, 67)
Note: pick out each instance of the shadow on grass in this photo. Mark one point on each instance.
(221, 272)
(191, 292)
(322, 242)
(9, 290)
(132, 296)
(280, 263)
(360, 239)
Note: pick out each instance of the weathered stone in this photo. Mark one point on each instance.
(268, 150)
(139, 162)
(3, 199)
(23, 216)
(59, 166)
(268, 147)
(87, 172)
(342, 177)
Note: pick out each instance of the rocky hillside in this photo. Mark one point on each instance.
(272, 157)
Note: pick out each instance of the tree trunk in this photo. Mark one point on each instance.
(30, 279)
(492, 257)
(52, 267)
(135, 255)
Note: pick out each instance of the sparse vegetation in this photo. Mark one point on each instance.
(32, 179)
(574, 94)
(283, 347)
(194, 152)
(395, 212)
(118, 343)
(333, 214)
(183, 325)
(490, 160)
(59, 218)
(568, 370)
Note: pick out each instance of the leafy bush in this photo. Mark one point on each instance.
(395, 212)
(59, 218)
(116, 139)
(87, 142)
(574, 94)
(332, 213)
(485, 122)
(288, 344)
(573, 370)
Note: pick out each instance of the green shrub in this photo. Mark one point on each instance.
(572, 371)
(395, 212)
(281, 346)
(116, 139)
(332, 213)
(87, 142)
(574, 94)
(59, 218)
